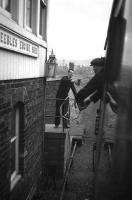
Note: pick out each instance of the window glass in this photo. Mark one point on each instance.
(28, 12)
(42, 22)
(13, 156)
(6, 4)
(41, 16)
(10, 8)
(15, 142)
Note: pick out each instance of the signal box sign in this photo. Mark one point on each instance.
(14, 42)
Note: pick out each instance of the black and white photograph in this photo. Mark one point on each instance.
(65, 99)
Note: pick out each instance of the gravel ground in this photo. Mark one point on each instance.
(80, 179)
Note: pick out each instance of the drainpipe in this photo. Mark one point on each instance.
(43, 131)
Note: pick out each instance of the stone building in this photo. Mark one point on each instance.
(23, 50)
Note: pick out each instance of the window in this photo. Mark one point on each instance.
(10, 8)
(35, 17)
(16, 144)
(6, 4)
(42, 21)
(29, 13)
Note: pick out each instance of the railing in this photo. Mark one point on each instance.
(70, 114)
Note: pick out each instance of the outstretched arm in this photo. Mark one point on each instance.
(92, 86)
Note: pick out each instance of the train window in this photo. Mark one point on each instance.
(42, 21)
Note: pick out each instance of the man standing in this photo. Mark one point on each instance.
(62, 94)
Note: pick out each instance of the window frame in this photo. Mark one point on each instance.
(4, 11)
(17, 137)
(35, 19)
(30, 29)
(14, 10)
(2, 5)
(43, 20)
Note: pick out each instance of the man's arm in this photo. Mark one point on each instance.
(96, 95)
(92, 86)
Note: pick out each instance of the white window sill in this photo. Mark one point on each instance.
(40, 37)
(5, 13)
(29, 29)
(14, 181)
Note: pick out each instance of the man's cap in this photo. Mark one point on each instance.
(98, 62)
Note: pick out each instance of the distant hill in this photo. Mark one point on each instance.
(76, 62)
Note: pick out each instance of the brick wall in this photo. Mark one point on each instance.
(51, 91)
(54, 152)
(56, 145)
(30, 93)
(57, 149)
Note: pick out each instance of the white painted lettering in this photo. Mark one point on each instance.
(9, 41)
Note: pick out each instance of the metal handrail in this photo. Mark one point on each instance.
(64, 115)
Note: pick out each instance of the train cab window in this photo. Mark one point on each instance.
(42, 21)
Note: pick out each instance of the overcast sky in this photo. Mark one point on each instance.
(77, 28)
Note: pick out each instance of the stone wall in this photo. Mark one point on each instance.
(29, 95)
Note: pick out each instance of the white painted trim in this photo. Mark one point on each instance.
(17, 130)
(13, 26)
(5, 12)
(25, 9)
(29, 29)
(38, 18)
(13, 139)
(15, 177)
(12, 41)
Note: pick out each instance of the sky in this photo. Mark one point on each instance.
(77, 29)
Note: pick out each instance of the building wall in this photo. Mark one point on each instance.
(54, 153)
(30, 92)
(22, 48)
(19, 66)
(22, 68)
(57, 151)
